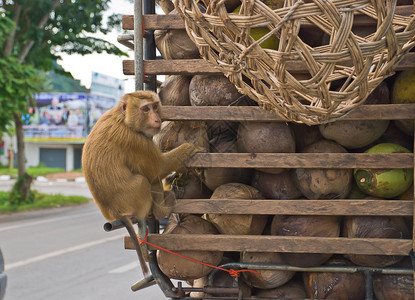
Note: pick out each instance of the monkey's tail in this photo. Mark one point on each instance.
(130, 228)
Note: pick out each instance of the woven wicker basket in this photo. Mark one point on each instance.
(299, 82)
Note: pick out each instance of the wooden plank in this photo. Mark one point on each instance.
(263, 243)
(153, 22)
(254, 113)
(337, 207)
(199, 66)
(301, 160)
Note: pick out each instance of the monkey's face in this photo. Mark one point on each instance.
(143, 117)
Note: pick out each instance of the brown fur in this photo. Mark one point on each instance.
(122, 165)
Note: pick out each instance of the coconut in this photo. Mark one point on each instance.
(403, 92)
(198, 283)
(276, 186)
(222, 279)
(238, 224)
(180, 268)
(395, 136)
(374, 227)
(215, 177)
(175, 90)
(266, 137)
(175, 133)
(335, 285)
(384, 183)
(207, 90)
(266, 279)
(394, 286)
(305, 135)
(324, 183)
(175, 43)
(290, 290)
(359, 133)
(187, 186)
(317, 226)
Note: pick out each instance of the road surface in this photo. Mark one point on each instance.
(63, 253)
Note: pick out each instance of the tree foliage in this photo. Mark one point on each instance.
(32, 34)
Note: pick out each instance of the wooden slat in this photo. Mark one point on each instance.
(254, 113)
(296, 207)
(199, 66)
(153, 22)
(262, 243)
(301, 160)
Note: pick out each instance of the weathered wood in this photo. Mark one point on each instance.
(153, 22)
(301, 160)
(199, 66)
(263, 243)
(339, 207)
(254, 113)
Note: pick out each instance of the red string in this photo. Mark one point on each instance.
(232, 272)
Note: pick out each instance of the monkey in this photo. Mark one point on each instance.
(123, 167)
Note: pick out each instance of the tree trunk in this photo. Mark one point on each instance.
(21, 188)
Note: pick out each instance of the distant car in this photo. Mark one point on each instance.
(3, 277)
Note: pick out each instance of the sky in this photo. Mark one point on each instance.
(81, 67)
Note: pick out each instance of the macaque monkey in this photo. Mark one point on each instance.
(123, 166)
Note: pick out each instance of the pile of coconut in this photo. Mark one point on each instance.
(374, 136)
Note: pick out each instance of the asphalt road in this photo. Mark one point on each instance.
(63, 253)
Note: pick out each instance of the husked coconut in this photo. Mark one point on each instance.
(354, 134)
(317, 226)
(215, 177)
(175, 90)
(222, 279)
(237, 224)
(175, 133)
(291, 290)
(187, 186)
(266, 137)
(175, 43)
(266, 279)
(374, 227)
(305, 135)
(394, 286)
(324, 183)
(176, 267)
(209, 90)
(276, 186)
(335, 285)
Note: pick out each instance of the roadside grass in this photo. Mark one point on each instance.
(32, 171)
(40, 201)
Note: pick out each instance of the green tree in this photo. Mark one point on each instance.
(32, 34)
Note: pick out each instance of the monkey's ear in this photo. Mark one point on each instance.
(123, 107)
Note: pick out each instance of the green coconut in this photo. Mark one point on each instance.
(384, 183)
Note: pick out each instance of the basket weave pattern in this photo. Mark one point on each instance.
(301, 83)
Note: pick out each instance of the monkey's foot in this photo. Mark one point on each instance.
(163, 207)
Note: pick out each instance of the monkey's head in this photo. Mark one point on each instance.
(142, 112)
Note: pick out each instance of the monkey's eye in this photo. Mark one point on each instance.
(145, 108)
(155, 106)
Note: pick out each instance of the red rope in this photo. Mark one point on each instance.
(232, 272)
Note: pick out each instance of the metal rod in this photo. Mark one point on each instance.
(138, 44)
(341, 269)
(369, 286)
(117, 224)
(149, 44)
